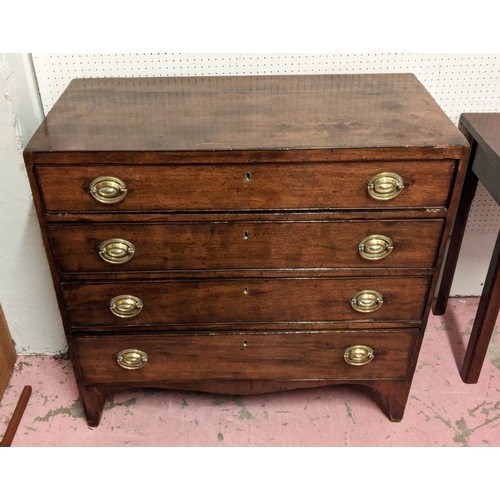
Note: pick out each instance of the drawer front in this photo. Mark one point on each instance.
(243, 301)
(243, 187)
(244, 245)
(240, 356)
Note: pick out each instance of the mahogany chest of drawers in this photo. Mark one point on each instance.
(244, 235)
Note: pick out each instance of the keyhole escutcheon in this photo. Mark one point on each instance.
(248, 177)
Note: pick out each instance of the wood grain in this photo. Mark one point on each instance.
(220, 187)
(16, 417)
(214, 113)
(245, 301)
(257, 216)
(8, 354)
(242, 356)
(244, 245)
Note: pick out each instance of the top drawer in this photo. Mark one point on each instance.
(317, 186)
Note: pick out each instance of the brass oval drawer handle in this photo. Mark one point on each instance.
(131, 359)
(358, 355)
(116, 251)
(367, 301)
(108, 189)
(385, 186)
(125, 306)
(375, 247)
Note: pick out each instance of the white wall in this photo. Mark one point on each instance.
(458, 82)
(26, 291)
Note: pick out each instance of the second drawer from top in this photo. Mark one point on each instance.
(104, 248)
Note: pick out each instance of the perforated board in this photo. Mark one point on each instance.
(458, 82)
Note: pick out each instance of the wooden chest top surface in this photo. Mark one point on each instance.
(245, 113)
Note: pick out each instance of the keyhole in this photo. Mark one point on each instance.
(245, 343)
(245, 235)
(245, 290)
(248, 177)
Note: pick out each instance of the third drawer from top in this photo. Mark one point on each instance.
(255, 300)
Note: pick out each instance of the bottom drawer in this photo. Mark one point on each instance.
(245, 356)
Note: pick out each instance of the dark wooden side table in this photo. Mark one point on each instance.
(483, 132)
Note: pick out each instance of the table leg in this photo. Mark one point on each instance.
(457, 234)
(484, 323)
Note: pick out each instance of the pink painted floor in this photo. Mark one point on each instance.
(441, 411)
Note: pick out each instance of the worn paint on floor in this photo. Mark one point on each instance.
(441, 411)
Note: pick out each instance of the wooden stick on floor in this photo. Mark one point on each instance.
(16, 417)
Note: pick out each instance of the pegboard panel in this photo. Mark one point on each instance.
(484, 215)
(458, 82)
